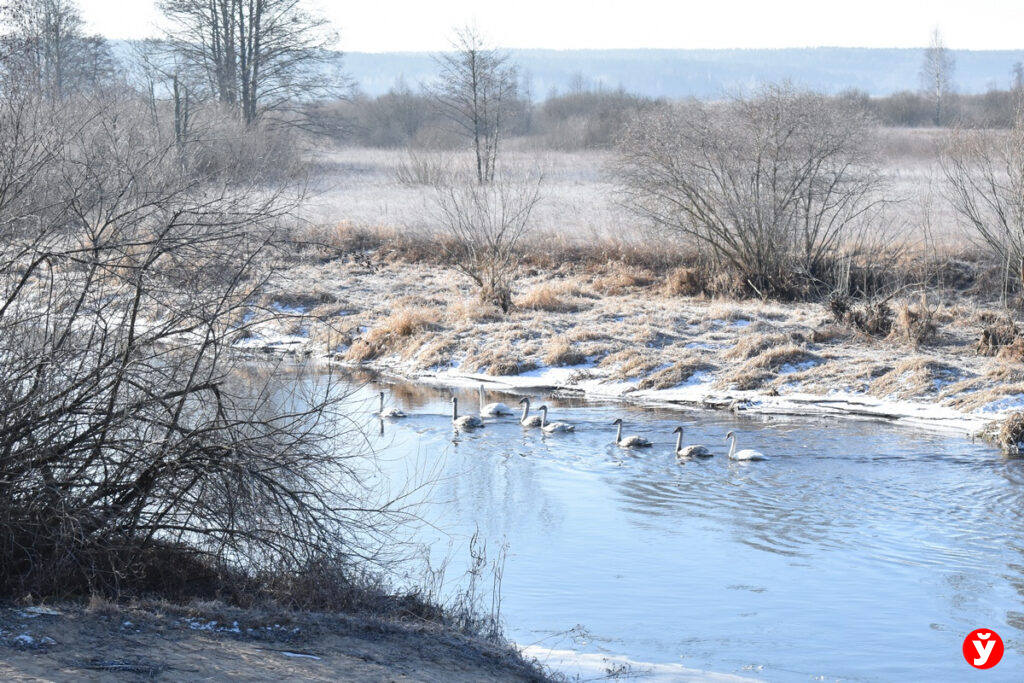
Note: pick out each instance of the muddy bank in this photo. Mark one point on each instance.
(207, 641)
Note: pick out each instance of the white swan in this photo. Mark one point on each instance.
(745, 454)
(466, 421)
(629, 441)
(492, 409)
(389, 412)
(552, 427)
(689, 451)
(528, 420)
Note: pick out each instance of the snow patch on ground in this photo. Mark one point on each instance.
(592, 666)
(1006, 404)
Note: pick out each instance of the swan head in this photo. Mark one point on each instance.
(618, 421)
(543, 409)
(382, 394)
(525, 400)
(729, 436)
(677, 430)
(455, 400)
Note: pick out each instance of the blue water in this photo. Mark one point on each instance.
(856, 551)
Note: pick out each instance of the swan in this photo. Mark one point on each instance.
(389, 412)
(689, 451)
(466, 421)
(529, 420)
(492, 409)
(745, 454)
(552, 427)
(629, 441)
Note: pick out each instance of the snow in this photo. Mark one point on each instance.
(592, 666)
(1005, 404)
(299, 654)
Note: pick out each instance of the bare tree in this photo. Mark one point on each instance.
(256, 56)
(129, 421)
(486, 223)
(48, 48)
(766, 187)
(476, 91)
(937, 73)
(984, 171)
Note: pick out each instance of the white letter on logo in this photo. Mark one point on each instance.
(983, 651)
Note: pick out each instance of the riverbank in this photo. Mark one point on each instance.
(627, 333)
(211, 641)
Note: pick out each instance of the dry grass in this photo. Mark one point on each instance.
(630, 363)
(390, 332)
(1011, 433)
(685, 281)
(472, 311)
(915, 324)
(914, 377)
(752, 345)
(623, 279)
(406, 322)
(1002, 380)
(497, 362)
(758, 369)
(559, 352)
(554, 297)
(677, 373)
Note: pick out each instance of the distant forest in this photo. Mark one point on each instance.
(706, 74)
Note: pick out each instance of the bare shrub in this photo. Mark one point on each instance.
(486, 222)
(129, 422)
(421, 169)
(984, 172)
(767, 187)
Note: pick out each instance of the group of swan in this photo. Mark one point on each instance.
(467, 422)
(499, 409)
(686, 452)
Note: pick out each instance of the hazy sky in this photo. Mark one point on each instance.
(369, 26)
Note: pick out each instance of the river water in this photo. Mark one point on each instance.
(856, 551)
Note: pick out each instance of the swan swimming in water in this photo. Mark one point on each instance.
(689, 451)
(492, 409)
(552, 427)
(389, 412)
(630, 441)
(466, 421)
(745, 454)
(528, 420)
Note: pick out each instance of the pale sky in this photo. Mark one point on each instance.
(426, 25)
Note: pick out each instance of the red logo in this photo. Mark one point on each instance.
(983, 648)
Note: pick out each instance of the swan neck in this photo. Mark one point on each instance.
(732, 448)
(455, 410)
(543, 417)
(618, 433)
(526, 410)
(679, 442)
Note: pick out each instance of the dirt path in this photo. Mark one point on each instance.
(70, 643)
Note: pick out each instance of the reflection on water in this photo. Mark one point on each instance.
(857, 551)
